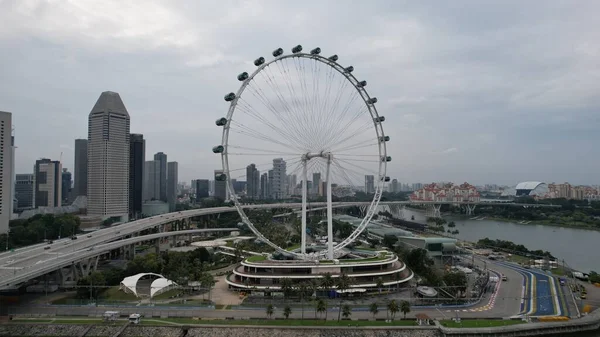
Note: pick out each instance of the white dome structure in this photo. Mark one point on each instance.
(527, 188)
(146, 285)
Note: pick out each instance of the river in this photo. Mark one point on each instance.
(578, 247)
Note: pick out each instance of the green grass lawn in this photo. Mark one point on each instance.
(256, 258)
(114, 294)
(276, 322)
(479, 323)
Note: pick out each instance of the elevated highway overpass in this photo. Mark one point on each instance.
(67, 252)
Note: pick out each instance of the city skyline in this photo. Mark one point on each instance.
(486, 100)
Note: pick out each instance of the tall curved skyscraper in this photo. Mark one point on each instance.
(108, 157)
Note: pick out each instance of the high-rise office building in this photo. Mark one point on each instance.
(66, 186)
(264, 186)
(279, 181)
(369, 184)
(252, 182)
(394, 188)
(47, 175)
(292, 184)
(81, 167)
(202, 189)
(137, 158)
(172, 177)
(6, 167)
(316, 184)
(151, 190)
(161, 158)
(220, 187)
(24, 185)
(108, 157)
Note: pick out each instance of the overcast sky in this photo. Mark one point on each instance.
(471, 90)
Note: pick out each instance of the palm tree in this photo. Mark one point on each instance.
(287, 311)
(302, 288)
(342, 284)
(405, 308)
(374, 309)
(321, 307)
(393, 308)
(346, 311)
(286, 287)
(269, 310)
(207, 281)
(379, 284)
(327, 282)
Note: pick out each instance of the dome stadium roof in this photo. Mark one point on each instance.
(528, 185)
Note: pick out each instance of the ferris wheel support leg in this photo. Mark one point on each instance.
(329, 213)
(303, 228)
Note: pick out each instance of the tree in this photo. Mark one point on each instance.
(286, 287)
(374, 309)
(346, 311)
(457, 280)
(269, 310)
(342, 284)
(451, 224)
(392, 308)
(322, 307)
(287, 311)
(302, 289)
(327, 282)
(405, 308)
(207, 281)
(389, 241)
(379, 284)
(91, 285)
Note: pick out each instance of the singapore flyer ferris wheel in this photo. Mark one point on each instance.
(303, 126)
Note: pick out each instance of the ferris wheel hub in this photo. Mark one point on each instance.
(325, 155)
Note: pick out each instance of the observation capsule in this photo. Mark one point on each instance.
(372, 100)
(259, 61)
(243, 76)
(220, 177)
(384, 158)
(316, 51)
(277, 52)
(297, 49)
(384, 139)
(218, 149)
(361, 84)
(386, 179)
(379, 119)
(229, 97)
(333, 58)
(221, 121)
(349, 69)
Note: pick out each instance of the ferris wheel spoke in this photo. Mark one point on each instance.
(355, 146)
(257, 135)
(366, 170)
(289, 118)
(284, 133)
(348, 132)
(270, 152)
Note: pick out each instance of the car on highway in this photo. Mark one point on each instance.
(50, 242)
(89, 235)
(73, 237)
(504, 278)
(47, 247)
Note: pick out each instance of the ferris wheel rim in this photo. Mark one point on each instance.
(381, 145)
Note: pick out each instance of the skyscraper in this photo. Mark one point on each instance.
(292, 184)
(316, 184)
(108, 157)
(172, 177)
(220, 187)
(369, 184)
(394, 186)
(162, 175)
(279, 182)
(151, 190)
(66, 185)
(252, 182)
(81, 167)
(6, 165)
(47, 175)
(264, 186)
(24, 185)
(137, 157)
(202, 188)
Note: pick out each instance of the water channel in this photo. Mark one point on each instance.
(578, 247)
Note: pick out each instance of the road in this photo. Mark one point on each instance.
(542, 294)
